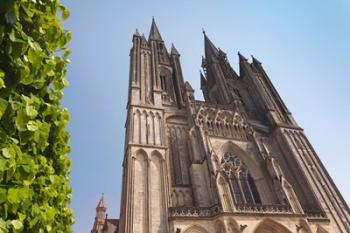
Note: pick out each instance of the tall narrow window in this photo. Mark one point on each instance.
(163, 82)
(235, 189)
(241, 183)
(161, 52)
(254, 190)
(245, 187)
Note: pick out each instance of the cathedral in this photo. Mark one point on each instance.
(236, 162)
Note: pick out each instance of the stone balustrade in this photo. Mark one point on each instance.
(193, 211)
(185, 211)
(260, 208)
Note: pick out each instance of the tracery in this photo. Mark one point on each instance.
(242, 185)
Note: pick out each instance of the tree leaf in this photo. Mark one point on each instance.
(32, 126)
(31, 112)
(34, 141)
(8, 152)
(2, 83)
(2, 224)
(3, 106)
(17, 225)
(21, 120)
(3, 195)
(34, 57)
(10, 17)
(13, 196)
(26, 78)
(65, 12)
(3, 163)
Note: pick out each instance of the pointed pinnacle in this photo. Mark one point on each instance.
(136, 32)
(203, 80)
(255, 61)
(241, 57)
(154, 32)
(101, 203)
(188, 87)
(144, 40)
(209, 47)
(174, 50)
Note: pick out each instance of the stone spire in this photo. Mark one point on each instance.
(215, 68)
(144, 42)
(244, 65)
(154, 32)
(174, 50)
(256, 61)
(188, 87)
(136, 32)
(101, 204)
(211, 52)
(242, 58)
(203, 80)
(100, 216)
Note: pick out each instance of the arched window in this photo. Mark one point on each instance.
(166, 84)
(161, 52)
(241, 183)
(163, 82)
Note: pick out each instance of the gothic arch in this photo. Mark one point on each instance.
(166, 81)
(224, 193)
(242, 185)
(175, 119)
(156, 189)
(321, 230)
(233, 226)
(270, 226)
(252, 165)
(140, 189)
(195, 229)
(141, 153)
(158, 115)
(137, 126)
(144, 117)
(158, 129)
(165, 70)
(157, 154)
(180, 198)
(220, 227)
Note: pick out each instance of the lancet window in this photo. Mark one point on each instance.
(241, 183)
(163, 82)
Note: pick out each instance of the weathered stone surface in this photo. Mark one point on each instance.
(236, 162)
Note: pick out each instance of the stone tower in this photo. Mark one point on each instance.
(236, 162)
(100, 216)
(102, 223)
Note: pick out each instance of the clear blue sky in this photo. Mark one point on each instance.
(303, 45)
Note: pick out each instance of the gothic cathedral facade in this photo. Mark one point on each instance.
(236, 162)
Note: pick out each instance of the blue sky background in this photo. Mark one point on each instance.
(303, 45)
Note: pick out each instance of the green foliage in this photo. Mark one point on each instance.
(34, 163)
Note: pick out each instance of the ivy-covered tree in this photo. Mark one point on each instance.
(34, 143)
